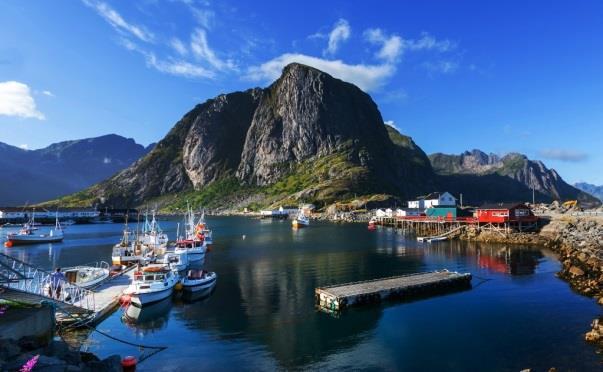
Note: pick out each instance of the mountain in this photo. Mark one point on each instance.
(62, 168)
(307, 137)
(489, 177)
(594, 190)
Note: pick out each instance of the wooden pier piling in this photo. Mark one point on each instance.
(339, 297)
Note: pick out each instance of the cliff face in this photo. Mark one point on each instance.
(531, 174)
(324, 136)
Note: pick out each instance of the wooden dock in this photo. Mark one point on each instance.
(339, 297)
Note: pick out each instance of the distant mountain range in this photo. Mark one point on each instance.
(596, 191)
(489, 177)
(308, 137)
(32, 176)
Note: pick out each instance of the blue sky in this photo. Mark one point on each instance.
(500, 76)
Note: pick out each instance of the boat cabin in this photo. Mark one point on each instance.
(189, 243)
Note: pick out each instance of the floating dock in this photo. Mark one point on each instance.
(339, 297)
(106, 299)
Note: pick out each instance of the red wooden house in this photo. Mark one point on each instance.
(505, 213)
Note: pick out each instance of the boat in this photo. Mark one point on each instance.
(68, 222)
(193, 243)
(301, 220)
(151, 284)
(152, 236)
(86, 276)
(194, 249)
(199, 280)
(128, 251)
(203, 230)
(176, 261)
(27, 235)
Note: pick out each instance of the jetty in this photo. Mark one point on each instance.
(338, 297)
(76, 306)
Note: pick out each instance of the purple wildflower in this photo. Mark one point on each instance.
(28, 367)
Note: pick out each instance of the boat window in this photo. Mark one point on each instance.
(149, 277)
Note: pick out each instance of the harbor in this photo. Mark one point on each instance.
(266, 292)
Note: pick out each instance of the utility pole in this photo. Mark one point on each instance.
(461, 200)
(532, 182)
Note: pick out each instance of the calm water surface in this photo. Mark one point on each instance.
(261, 315)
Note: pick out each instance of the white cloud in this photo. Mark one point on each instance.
(118, 22)
(341, 32)
(200, 48)
(24, 146)
(170, 66)
(367, 77)
(47, 93)
(204, 17)
(16, 100)
(443, 67)
(393, 46)
(178, 46)
(178, 67)
(566, 155)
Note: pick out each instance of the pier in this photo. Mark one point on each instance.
(22, 282)
(339, 297)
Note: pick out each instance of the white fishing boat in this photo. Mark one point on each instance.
(152, 284)
(301, 220)
(194, 249)
(87, 276)
(152, 236)
(128, 251)
(193, 243)
(27, 235)
(199, 280)
(176, 261)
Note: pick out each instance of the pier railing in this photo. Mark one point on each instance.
(19, 275)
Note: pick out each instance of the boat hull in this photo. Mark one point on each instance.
(147, 298)
(198, 285)
(23, 240)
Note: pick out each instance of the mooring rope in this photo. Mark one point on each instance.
(85, 323)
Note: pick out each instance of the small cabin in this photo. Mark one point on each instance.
(504, 212)
(441, 212)
(408, 212)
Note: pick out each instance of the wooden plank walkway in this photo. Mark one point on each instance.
(339, 297)
(107, 293)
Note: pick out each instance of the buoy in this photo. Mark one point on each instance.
(178, 286)
(8, 244)
(128, 364)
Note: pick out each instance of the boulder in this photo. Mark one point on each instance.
(576, 271)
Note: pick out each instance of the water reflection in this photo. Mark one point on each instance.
(148, 319)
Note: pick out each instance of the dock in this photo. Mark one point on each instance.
(106, 299)
(76, 306)
(338, 297)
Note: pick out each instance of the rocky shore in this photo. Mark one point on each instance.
(53, 356)
(579, 243)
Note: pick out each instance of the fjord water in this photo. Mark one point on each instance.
(261, 315)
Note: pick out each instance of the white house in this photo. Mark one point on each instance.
(408, 212)
(380, 213)
(432, 200)
(10, 213)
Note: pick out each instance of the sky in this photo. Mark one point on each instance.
(500, 76)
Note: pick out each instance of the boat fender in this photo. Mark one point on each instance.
(128, 364)
(8, 244)
(178, 286)
(125, 300)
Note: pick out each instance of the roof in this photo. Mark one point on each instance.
(431, 195)
(502, 206)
